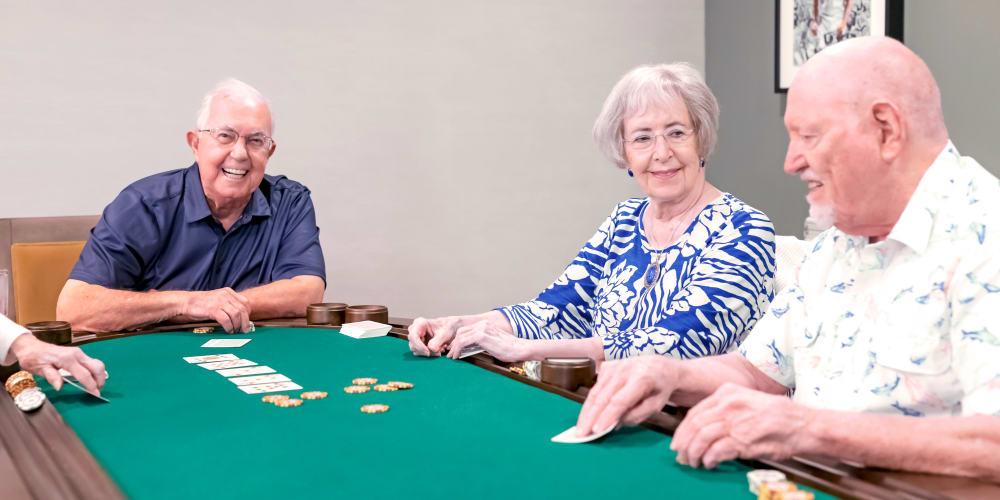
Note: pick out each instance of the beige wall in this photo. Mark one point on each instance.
(446, 143)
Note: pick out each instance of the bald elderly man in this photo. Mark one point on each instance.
(888, 337)
(219, 240)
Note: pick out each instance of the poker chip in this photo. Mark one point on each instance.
(204, 329)
(18, 377)
(761, 476)
(356, 389)
(375, 408)
(773, 490)
(401, 385)
(386, 388)
(30, 399)
(21, 385)
(517, 369)
(288, 403)
(364, 381)
(252, 328)
(795, 495)
(273, 398)
(313, 395)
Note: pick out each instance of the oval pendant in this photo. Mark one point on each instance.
(651, 273)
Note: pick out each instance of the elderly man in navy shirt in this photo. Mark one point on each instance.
(219, 240)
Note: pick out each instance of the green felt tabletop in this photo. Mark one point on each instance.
(176, 430)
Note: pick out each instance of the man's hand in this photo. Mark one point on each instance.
(627, 392)
(502, 345)
(45, 359)
(228, 308)
(738, 422)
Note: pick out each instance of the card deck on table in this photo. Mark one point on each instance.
(365, 329)
(260, 379)
(569, 435)
(249, 370)
(226, 343)
(232, 363)
(262, 388)
(210, 358)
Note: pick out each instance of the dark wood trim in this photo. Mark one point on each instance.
(49, 460)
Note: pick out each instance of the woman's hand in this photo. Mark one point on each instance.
(502, 344)
(428, 337)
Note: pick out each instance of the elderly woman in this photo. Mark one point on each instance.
(684, 272)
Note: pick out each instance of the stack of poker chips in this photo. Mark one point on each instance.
(22, 387)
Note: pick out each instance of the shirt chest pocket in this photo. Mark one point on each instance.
(919, 350)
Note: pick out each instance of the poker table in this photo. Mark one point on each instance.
(472, 427)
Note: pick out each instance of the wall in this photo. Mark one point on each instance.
(447, 143)
(956, 39)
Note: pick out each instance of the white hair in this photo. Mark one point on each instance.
(662, 83)
(226, 88)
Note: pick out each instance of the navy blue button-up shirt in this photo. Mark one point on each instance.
(159, 234)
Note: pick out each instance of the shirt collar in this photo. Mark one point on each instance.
(915, 224)
(196, 206)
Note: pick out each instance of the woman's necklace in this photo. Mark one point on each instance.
(652, 273)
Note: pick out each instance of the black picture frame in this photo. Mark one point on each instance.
(795, 41)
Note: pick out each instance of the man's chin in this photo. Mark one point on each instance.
(822, 217)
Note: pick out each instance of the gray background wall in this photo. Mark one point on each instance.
(447, 143)
(957, 39)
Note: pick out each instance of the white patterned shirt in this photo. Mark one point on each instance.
(905, 326)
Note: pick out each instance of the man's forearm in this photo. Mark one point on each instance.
(698, 378)
(959, 446)
(97, 309)
(285, 298)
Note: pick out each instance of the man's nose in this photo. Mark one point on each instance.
(239, 150)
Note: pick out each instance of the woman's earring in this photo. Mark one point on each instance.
(630, 174)
(702, 163)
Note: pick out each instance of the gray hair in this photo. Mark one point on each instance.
(230, 87)
(661, 83)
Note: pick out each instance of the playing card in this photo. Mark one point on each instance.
(232, 363)
(226, 343)
(210, 358)
(470, 350)
(249, 370)
(71, 380)
(262, 388)
(260, 379)
(569, 435)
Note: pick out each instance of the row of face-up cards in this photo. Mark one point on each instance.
(248, 376)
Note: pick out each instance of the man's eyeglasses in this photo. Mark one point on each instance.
(645, 141)
(258, 143)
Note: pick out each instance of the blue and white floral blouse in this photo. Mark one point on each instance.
(713, 285)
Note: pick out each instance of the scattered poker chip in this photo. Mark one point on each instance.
(385, 388)
(30, 399)
(273, 398)
(364, 381)
(313, 395)
(761, 476)
(517, 369)
(375, 408)
(356, 389)
(204, 329)
(288, 403)
(401, 385)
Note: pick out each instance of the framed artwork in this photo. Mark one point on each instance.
(802, 28)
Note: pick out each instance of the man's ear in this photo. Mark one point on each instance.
(192, 140)
(892, 133)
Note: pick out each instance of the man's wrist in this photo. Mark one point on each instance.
(21, 342)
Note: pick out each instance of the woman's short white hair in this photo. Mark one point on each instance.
(661, 83)
(226, 88)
